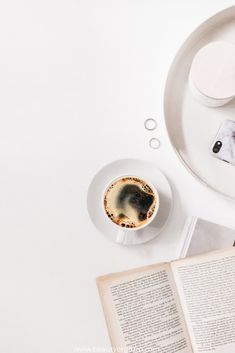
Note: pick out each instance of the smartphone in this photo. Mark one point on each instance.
(223, 146)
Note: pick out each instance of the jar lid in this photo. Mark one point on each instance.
(213, 70)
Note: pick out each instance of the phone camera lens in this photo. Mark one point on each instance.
(217, 146)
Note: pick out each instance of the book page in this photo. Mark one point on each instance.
(206, 287)
(142, 311)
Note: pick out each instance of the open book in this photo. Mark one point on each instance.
(186, 306)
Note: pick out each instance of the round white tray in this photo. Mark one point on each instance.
(191, 126)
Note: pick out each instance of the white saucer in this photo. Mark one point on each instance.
(147, 171)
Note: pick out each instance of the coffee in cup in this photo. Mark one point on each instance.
(130, 202)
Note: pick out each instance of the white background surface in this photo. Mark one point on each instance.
(78, 79)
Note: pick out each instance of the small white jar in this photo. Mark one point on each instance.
(212, 74)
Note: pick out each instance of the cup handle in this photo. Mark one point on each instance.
(121, 236)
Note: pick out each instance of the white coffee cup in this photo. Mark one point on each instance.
(124, 234)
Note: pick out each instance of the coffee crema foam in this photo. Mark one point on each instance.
(130, 202)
